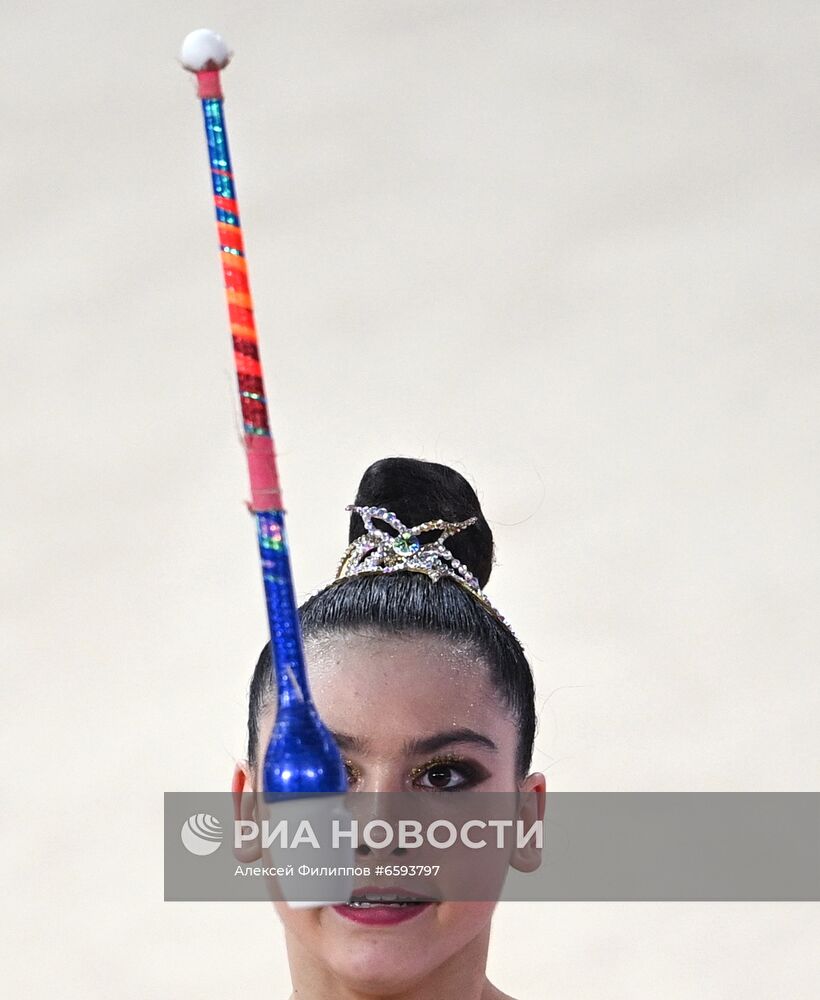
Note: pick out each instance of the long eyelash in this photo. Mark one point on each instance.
(447, 758)
(471, 773)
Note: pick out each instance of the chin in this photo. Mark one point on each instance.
(385, 959)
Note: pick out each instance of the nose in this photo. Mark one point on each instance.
(377, 814)
(380, 853)
(382, 779)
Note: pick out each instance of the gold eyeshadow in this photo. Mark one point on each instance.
(447, 758)
(471, 773)
(352, 767)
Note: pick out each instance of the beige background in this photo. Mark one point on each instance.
(569, 248)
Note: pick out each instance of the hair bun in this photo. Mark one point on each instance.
(417, 491)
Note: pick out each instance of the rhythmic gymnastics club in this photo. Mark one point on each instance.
(303, 769)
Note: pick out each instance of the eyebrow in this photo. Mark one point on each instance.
(427, 744)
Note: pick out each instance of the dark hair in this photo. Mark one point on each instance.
(407, 602)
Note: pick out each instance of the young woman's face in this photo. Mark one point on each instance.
(379, 696)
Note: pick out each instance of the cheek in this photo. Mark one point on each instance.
(304, 925)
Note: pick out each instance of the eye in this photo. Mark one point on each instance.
(449, 775)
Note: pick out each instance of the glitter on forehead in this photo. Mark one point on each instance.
(460, 661)
(459, 690)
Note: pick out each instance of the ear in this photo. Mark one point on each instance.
(533, 798)
(244, 812)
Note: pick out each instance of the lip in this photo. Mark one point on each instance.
(384, 916)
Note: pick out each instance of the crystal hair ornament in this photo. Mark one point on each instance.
(377, 551)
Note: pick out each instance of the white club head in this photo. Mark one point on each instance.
(204, 50)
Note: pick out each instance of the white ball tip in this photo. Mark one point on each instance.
(204, 49)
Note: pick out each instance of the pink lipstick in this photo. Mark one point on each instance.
(383, 905)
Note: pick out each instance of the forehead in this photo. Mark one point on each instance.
(385, 689)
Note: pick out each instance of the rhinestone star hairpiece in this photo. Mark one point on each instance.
(377, 551)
